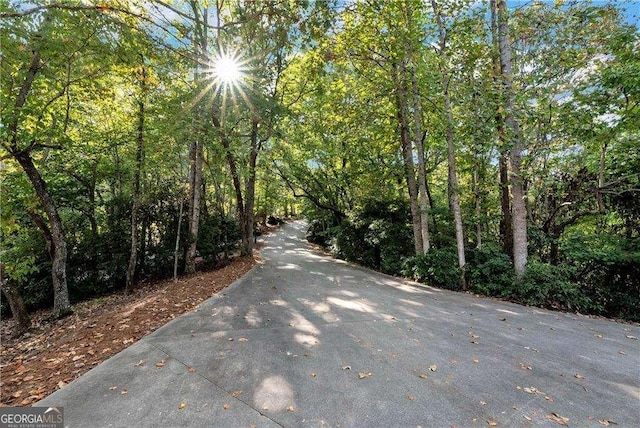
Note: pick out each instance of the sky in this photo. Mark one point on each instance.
(632, 7)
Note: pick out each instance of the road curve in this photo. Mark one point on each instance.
(305, 340)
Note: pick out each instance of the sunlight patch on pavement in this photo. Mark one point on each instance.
(274, 394)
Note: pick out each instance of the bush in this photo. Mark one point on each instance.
(550, 286)
(218, 236)
(274, 221)
(439, 267)
(490, 271)
(608, 271)
(376, 235)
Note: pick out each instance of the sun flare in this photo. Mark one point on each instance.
(226, 69)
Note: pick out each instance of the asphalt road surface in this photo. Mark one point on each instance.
(304, 340)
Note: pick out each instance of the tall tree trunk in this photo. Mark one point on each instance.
(16, 304)
(519, 208)
(506, 233)
(61, 302)
(603, 159)
(233, 168)
(250, 190)
(407, 154)
(453, 177)
(177, 246)
(133, 257)
(196, 148)
(194, 204)
(422, 179)
(478, 198)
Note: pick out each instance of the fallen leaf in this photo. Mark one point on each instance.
(533, 390)
(599, 336)
(225, 406)
(411, 397)
(124, 391)
(621, 352)
(113, 388)
(423, 376)
(484, 403)
(362, 375)
(525, 367)
(290, 409)
(61, 384)
(17, 394)
(527, 417)
(230, 339)
(243, 339)
(433, 368)
(502, 319)
(236, 394)
(475, 361)
(548, 398)
(606, 422)
(632, 337)
(182, 406)
(160, 364)
(346, 367)
(28, 378)
(578, 376)
(313, 375)
(492, 423)
(192, 370)
(560, 420)
(139, 363)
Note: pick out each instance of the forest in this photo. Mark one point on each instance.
(489, 147)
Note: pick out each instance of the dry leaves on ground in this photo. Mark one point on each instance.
(53, 354)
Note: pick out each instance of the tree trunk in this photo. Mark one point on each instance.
(422, 179)
(177, 246)
(249, 194)
(506, 233)
(194, 204)
(407, 154)
(235, 176)
(453, 177)
(478, 198)
(133, 258)
(16, 303)
(519, 208)
(196, 148)
(61, 302)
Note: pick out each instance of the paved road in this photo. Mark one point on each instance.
(287, 345)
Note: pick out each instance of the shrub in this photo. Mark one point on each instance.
(439, 267)
(490, 271)
(608, 271)
(376, 235)
(550, 286)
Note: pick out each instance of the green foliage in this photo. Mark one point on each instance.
(439, 267)
(490, 271)
(550, 286)
(219, 237)
(608, 271)
(375, 235)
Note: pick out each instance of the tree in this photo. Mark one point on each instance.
(448, 112)
(518, 203)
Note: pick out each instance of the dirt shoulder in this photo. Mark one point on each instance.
(53, 354)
